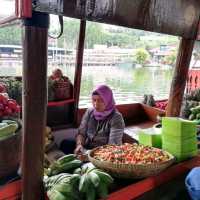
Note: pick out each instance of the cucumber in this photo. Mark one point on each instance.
(8, 121)
(3, 124)
(66, 158)
(8, 130)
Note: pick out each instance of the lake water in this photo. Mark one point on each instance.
(129, 84)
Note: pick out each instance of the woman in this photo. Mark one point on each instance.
(100, 125)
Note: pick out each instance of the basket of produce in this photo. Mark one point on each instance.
(10, 146)
(10, 136)
(60, 87)
(130, 160)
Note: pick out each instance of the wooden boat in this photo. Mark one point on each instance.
(163, 16)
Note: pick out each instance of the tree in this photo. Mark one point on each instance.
(141, 56)
(171, 58)
(10, 35)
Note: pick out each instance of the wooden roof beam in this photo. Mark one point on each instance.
(175, 17)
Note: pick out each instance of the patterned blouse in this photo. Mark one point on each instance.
(97, 133)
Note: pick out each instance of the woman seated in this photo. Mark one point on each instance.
(100, 125)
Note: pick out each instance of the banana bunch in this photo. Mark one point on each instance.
(64, 164)
(7, 128)
(94, 182)
(63, 186)
(48, 137)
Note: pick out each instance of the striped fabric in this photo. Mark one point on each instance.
(97, 133)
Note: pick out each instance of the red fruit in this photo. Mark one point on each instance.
(18, 109)
(12, 104)
(3, 99)
(1, 106)
(2, 88)
(7, 111)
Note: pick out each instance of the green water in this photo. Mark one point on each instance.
(129, 84)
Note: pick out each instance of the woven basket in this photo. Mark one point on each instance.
(62, 89)
(130, 170)
(10, 151)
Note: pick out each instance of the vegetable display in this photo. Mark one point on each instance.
(8, 107)
(195, 114)
(7, 128)
(64, 164)
(130, 154)
(86, 183)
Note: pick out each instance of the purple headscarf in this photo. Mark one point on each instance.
(106, 94)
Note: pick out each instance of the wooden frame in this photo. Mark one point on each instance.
(23, 9)
(176, 17)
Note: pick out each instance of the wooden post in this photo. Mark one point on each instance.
(78, 67)
(179, 78)
(34, 104)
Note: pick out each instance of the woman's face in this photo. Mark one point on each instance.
(98, 103)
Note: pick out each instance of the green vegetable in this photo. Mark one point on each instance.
(198, 116)
(8, 130)
(66, 158)
(94, 178)
(55, 195)
(192, 116)
(2, 124)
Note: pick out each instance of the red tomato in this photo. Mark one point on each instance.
(2, 88)
(12, 104)
(18, 109)
(1, 106)
(7, 111)
(3, 99)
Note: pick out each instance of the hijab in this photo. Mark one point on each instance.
(107, 95)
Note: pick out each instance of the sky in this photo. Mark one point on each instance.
(7, 8)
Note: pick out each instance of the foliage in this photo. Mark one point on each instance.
(96, 33)
(141, 56)
(10, 35)
(170, 59)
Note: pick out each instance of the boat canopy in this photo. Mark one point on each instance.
(175, 17)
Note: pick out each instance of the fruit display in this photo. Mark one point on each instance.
(161, 105)
(60, 86)
(13, 88)
(2, 88)
(150, 101)
(7, 128)
(8, 107)
(130, 154)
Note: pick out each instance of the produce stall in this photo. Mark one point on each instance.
(35, 87)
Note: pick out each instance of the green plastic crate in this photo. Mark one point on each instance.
(179, 128)
(179, 146)
(149, 137)
(183, 156)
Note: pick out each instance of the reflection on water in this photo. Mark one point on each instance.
(129, 84)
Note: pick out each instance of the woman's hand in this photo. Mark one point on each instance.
(79, 149)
